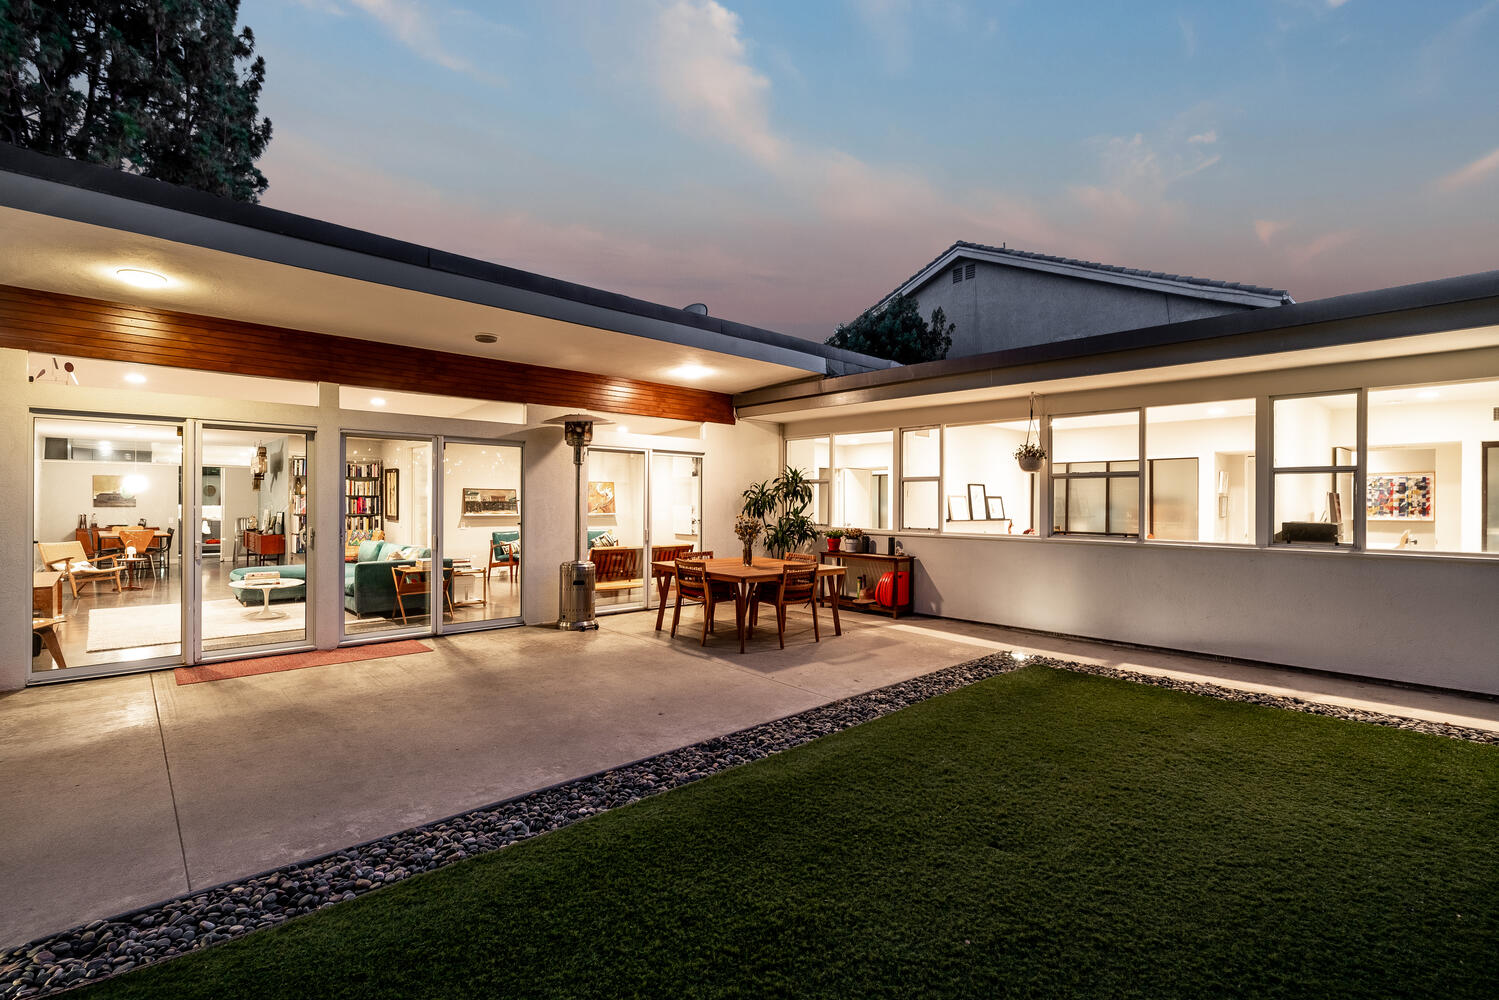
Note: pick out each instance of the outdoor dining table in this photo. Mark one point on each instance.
(745, 578)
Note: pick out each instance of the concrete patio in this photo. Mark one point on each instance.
(125, 791)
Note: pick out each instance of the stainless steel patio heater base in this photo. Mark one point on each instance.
(575, 595)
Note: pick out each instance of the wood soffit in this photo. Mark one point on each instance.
(50, 322)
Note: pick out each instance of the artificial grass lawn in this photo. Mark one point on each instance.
(1041, 834)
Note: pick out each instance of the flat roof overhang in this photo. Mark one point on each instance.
(1452, 314)
(65, 227)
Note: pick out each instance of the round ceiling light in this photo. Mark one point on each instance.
(141, 278)
(689, 371)
(486, 338)
(135, 378)
(377, 400)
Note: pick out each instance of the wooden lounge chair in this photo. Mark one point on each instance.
(69, 559)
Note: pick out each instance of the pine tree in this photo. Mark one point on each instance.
(897, 332)
(150, 86)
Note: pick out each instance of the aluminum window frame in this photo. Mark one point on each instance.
(1138, 536)
(1358, 470)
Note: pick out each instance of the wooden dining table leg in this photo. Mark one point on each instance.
(832, 593)
(741, 601)
(663, 586)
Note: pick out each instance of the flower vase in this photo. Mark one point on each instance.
(749, 553)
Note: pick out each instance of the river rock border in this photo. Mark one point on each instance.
(154, 933)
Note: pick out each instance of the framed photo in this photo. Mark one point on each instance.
(390, 499)
(977, 506)
(957, 508)
(499, 501)
(1401, 496)
(995, 508)
(109, 491)
(601, 498)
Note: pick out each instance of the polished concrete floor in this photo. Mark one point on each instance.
(122, 791)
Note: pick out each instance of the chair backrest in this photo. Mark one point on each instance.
(669, 553)
(61, 552)
(615, 563)
(698, 556)
(692, 577)
(139, 539)
(798, 581)
(806, 557)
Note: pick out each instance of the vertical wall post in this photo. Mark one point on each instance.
(16, 493)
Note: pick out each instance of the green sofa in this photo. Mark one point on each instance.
(369, 588)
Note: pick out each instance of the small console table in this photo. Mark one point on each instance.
(881, 565)
(264, 545)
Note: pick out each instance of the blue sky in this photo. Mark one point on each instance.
(789, 163)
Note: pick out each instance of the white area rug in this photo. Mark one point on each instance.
(158, 624)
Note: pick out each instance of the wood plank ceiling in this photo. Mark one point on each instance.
(49, 322)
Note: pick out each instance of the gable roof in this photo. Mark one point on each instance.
(1176, 284)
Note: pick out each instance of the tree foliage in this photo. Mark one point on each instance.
(150, 86)
(897, 332)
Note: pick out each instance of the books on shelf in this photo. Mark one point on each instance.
(362, 470)
(298, 466)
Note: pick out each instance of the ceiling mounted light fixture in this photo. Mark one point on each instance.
(140, 277)
(377, 400)
(486, 338)
(690, 371)
(135, 378)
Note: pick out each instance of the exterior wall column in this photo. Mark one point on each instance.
(547, 519)
(16, 556)
(325, 489)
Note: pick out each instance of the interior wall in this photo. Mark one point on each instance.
(1217, 444)
(626, 470)
(986, 454)
(675, 500)
(66, 490)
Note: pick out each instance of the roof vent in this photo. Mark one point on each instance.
(697, 309)
(968, 271)
(957, 274)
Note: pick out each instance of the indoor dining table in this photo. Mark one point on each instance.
(744, 579)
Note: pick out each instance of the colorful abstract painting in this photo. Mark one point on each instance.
(1402, 496)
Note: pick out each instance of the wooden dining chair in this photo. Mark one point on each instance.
(162, 547)
(694, 587)
(141, 540)
(796, 587)
(801, 557)
(696, 556)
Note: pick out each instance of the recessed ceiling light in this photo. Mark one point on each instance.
(485, 338)
(690, 372)
(135, 378)
(1427, 394)
(1216, 411)
(622, 429)
(377, 400)
(140, 278)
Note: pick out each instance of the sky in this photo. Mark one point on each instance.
(790, 163)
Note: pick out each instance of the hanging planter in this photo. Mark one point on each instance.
(1030, 455)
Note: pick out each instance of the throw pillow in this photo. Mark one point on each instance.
(606, 540)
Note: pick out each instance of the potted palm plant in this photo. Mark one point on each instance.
(781, 505)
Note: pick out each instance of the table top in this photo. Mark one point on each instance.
(877, 556)
(276, 584)
(406, 570)
(762, 569)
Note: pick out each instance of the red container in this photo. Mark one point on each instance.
(888, 583)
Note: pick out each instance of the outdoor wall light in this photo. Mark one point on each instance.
(141, 278)
(135, 378)
(692, 372)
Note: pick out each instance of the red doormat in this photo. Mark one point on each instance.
(296, 661)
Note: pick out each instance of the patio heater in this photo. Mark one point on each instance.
(575, 597)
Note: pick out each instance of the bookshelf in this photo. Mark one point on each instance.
(297, 504)
(362, 514)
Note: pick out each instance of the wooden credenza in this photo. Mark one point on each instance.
(264, 546)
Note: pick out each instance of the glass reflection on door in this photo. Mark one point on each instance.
(108, 584)
(389, 576)
(616, 525)
(481, 497)
(252, 535)
(676, 506)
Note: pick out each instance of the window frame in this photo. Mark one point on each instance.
(835, 498)
(1358, 543)
(1138, 536)
(823, 482)
(898, 495)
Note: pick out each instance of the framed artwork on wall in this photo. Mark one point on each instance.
(479, 501)
(110, 491)
(391, 498)
(601, 498)
(1401, 496)
(957, 508)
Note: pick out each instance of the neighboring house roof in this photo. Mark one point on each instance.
(1176, 284)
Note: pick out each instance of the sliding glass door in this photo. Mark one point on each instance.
(249, 535)
(616, 526)
(390, 577)
(481, 531)
(108, 585)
